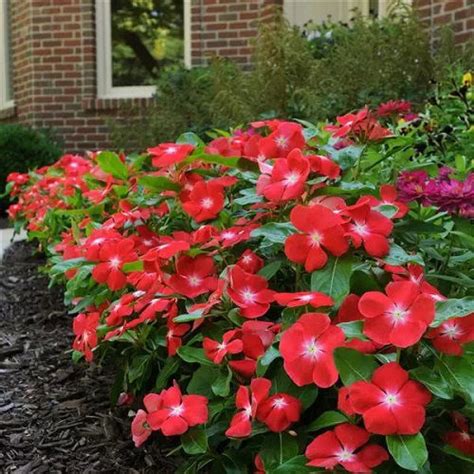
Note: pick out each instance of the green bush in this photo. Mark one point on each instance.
(309, 74)
(23, 149)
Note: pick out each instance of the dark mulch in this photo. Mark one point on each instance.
(55, 416)
(4, 223)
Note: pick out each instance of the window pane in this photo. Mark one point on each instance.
(147, 36)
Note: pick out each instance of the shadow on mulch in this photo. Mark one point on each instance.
(55, 416)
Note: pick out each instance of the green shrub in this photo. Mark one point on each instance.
(23, 149)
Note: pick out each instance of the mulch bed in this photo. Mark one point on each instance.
(55, 416)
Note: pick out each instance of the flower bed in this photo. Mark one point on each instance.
(267, 302)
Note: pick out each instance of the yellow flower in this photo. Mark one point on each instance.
(467, 79)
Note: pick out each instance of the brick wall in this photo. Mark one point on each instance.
(457, 13)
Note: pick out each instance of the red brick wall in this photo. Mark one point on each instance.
(457, 13)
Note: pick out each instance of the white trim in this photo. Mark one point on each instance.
(5, 77)
(105, 88)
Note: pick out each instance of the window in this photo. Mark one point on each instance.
(136, 41)
(6, 92)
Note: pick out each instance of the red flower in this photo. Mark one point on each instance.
(287, 178)
(461, 440)
(391, 403)
(370, 228)
(450, 336)
(279, 411)
(247, 401)
(141, 431)
(322, 230)
(400, 317)
(84, 327)
(113, 256)
(176, 413)
(193, 276)
(341, 447)
(205, 201)
(286, 137)
(216, 351)
(307, 349)
(324, 166)
(250, 262)
(249, 292)
(302, 298)
(174, 335)
(394, 107)
(169, 153)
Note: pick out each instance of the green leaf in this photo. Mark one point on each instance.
(264, 362)
(65, 265)
(130, 267)
(277, 448)
(190, 138)
(221, 384)
(354, 366)
(194, 441)
(334, 279)
(433, 381)
(454, 452)
(158, 183)
(184, 318)
(275, 232)
(230, 162)
(110, 163)
(388, 210)
(452, 308)
(171, 366)
(200, 381)
(353, 329)
(409, 452)
(398, 256)
(271, 269)
(296, 465)
(194, 355)
(459, 373)
(328, 418)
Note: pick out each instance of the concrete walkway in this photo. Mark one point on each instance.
(6, 239)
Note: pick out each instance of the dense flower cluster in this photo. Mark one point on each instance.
(245, 297)
(443, 191)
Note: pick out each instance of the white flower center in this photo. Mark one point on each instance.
(312, 349)
(177, 410)
(97, 241)
(222, 346)
(207, 203)
(360, 229)
(194, 280)
(115, 262)
(452, 331)
(292, 178)
(306, 297)
(279, 403)
(170, 150)
(315, 238)
(344, 455)
(398, 314)
(228, 235)
(248, 411)
(391, 399)
(247, 258)
(248, 295)
(465, 436)
(281, 142)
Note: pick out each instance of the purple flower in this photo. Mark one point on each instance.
(411, 185)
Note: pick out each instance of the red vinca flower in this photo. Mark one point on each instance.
(216, 351)
(194, 276)
(286, 137)
(249, 292)
(391, 403)
(84, 327)
(342, 447)
(247, 401)
(205, 201)
(322, 230)
(169, 153)
(461, 440)
(452, 334)
(369, 228)
(287, 178)
(279, 411)
(113, 255)
(307, 349)
(176, 413)
(141, 431)
(174, 335)
(399, 317)
(303, 298)
(250, 262)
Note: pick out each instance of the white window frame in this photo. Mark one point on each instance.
(5, 63)
(105, 88)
